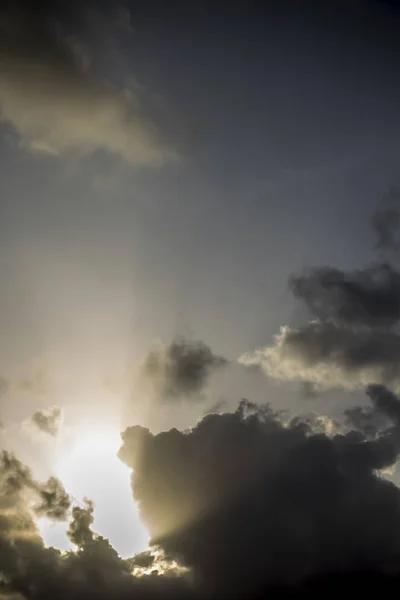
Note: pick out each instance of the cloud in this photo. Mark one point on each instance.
(53, 100)
(366, 419)
(386, 222)
(353, 339)
(15, 478)
(144, 560)
(385, 402)
(79, 531)
(369, 296)
(54, 501)
(180, 369)
(48, 420)
(250, 501)
(30, 570)
(18, 486)
(329, 356)
(242, 502)
(253, 499)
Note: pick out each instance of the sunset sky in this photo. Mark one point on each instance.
(198, 205)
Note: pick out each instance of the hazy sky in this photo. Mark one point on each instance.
(165, 169)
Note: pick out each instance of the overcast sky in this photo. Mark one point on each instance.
(166, 170)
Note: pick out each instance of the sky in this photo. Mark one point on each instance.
(199, 299)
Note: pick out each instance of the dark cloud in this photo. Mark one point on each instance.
(14, 479)
(48, 420)
(386, 222)
(245, 501)
(49, 94)
(17, 485)
(54, 500)
(369, 296)
(79, 531)
(181, 369)
(249, 499)
(385, 402)
(366, 419)
(385, 411)
(143, 560)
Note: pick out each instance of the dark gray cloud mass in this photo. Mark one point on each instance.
(54, 501)
(17, 482)
(385, 402)
(48, 420)
(181, 369)
(366, 419)
(369, 296)
(79, 531)
(249, 499)
(244, 501)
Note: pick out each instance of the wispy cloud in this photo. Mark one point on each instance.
(56, 104)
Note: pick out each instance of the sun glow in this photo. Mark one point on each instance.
(90, 468)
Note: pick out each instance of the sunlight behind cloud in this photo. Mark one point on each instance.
(91, 469)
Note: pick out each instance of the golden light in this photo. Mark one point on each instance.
(90, 468)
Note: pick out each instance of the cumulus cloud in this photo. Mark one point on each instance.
(353, 339)
(48, 420)
(30, 570)
(50, 96)
(180, 369)
(329, 356)
(243, 502)
(253, 499)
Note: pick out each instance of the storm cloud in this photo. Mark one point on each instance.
(29, 570)
(369, 296)
(254, 500)
(180, 369)
(251, 499)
